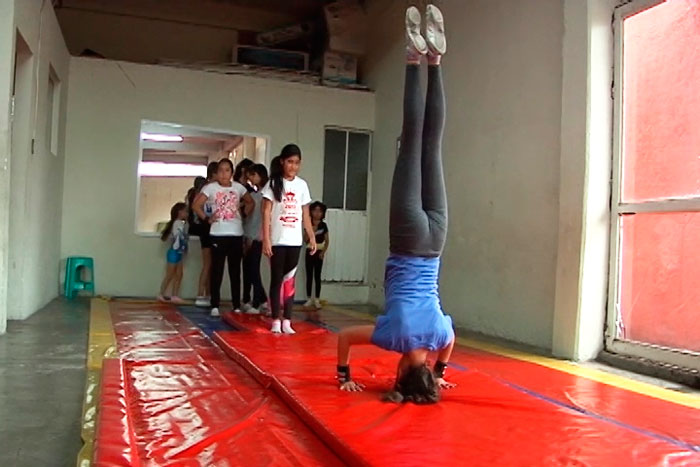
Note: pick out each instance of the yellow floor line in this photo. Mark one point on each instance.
(688, 400)
(101, 345)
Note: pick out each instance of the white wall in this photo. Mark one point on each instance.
(584, 200)
(36, 177)
(157, 195)
(108, 100)
(503, 76)
(7, 35)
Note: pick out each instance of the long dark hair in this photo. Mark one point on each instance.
(418, 385)
(260, 170)
(241, 167)
(192, 193)
(276, 171)
(211, 170)
(174, 211)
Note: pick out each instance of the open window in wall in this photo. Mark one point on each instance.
(346, 193)
(655, 272)
(172, 156)
(53, 107)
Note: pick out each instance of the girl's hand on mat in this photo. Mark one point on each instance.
(352, 386)
(267, 248)
(444, 384)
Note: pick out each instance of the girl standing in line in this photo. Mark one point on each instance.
(314, 262)
(252, 230)
(199, 228)
(285, 211)
(174, 231)
(226, 232)
(240, 174)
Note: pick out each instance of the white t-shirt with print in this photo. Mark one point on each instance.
(226, 203)
(286, 220)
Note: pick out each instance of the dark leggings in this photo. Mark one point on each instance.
(283, 268)
(251, 276)
(224, 248)
(314, 264)
(418, 215)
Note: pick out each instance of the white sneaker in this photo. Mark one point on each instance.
(435, 31)
(214, 312)
(276, 326)
(309, 303)
(252, 310)
(236, 310)
(415, 43)
(317, 303)
(245, 307)
(201, 301)
(287, 327)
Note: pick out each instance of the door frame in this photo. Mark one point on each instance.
(658, 353)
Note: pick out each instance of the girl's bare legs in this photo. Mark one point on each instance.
(177, 279)
(169, 275)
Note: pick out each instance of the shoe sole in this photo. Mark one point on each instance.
(416, 42)
(435, 30)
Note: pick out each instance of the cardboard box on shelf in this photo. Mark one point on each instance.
(284, 34)
(273, 58)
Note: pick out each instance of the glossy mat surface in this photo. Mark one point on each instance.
(503, 412)
(174, 398)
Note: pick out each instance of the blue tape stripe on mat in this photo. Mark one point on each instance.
(641, 431)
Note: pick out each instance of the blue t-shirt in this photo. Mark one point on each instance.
(413, 317)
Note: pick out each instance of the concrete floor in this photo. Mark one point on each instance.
(42, 378)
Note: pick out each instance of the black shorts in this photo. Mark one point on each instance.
(205, 240)
(202, 231)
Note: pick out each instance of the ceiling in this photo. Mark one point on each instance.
(187, 31)
(253, 15)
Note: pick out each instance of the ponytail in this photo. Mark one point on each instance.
(167, 230)
(276, 182)
(174, 211)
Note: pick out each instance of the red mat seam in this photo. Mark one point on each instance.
(345, 452)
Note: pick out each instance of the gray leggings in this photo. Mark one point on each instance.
(418, 217)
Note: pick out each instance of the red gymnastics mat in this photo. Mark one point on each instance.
(173, 398)
(504, 411)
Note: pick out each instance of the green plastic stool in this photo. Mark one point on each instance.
(74, 283)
